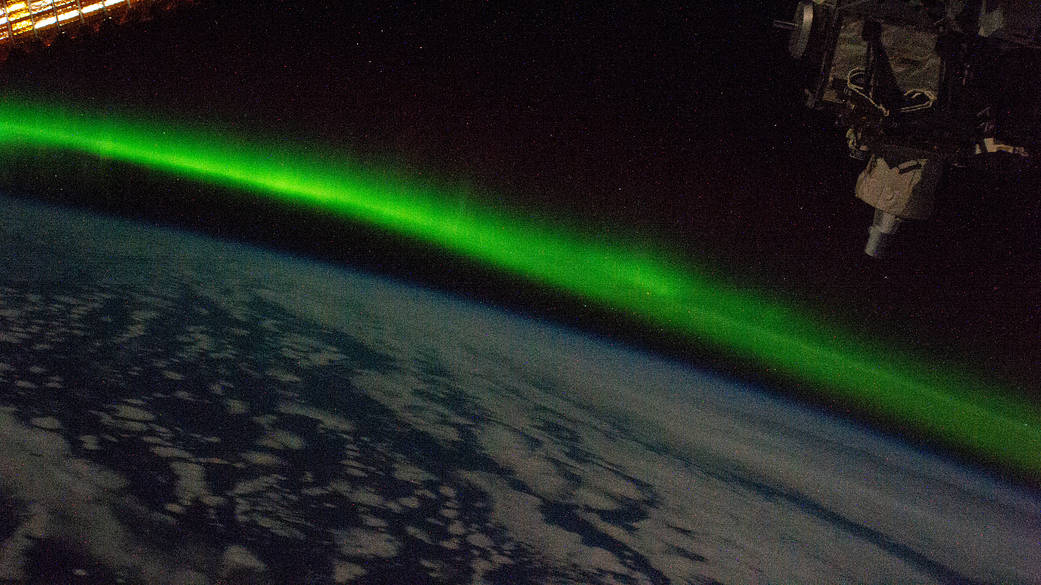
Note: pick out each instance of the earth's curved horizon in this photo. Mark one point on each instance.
(176, 409)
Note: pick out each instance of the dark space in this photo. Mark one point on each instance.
(682, 122)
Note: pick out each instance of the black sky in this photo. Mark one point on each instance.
(678, 120)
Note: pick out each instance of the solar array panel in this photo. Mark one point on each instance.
(43, 20)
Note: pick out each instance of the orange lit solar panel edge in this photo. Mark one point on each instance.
(44, 19)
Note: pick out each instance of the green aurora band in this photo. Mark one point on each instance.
(639, 280)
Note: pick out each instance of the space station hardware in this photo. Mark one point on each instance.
(919, 85)
(28, 23)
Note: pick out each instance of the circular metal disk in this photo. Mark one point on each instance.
(800, 37)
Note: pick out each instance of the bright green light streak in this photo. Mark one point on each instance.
(632, 279)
